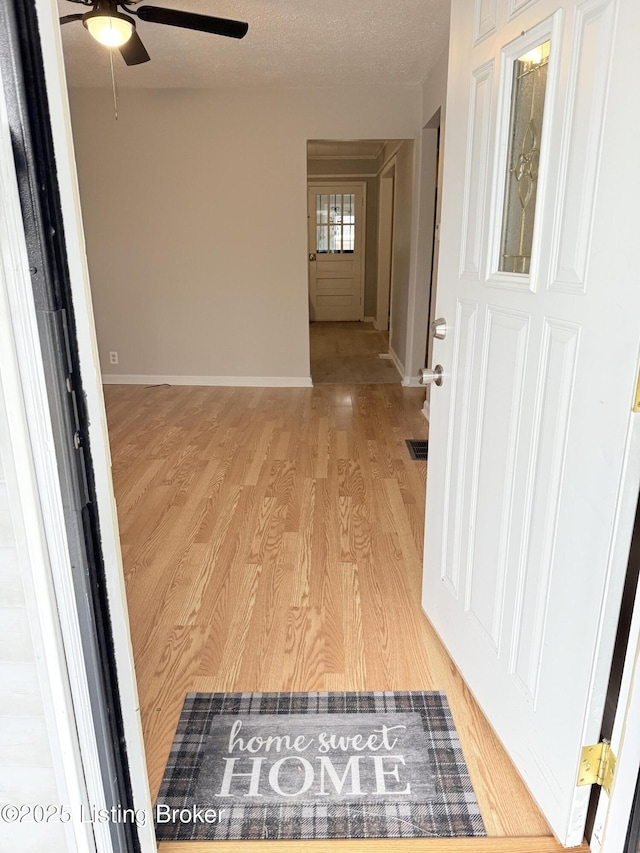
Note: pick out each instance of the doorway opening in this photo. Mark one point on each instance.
(272, 541)
(352, 211)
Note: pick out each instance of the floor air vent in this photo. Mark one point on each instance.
(418, 449)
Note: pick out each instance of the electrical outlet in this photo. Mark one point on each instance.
(113, 358)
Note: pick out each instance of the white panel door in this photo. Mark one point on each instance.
(336, 252)
(538, 280)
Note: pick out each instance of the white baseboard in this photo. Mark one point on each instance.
(407, 381)
(426, 410)
(226, 381)
(398, 364)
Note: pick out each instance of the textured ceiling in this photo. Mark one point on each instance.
(289, 43)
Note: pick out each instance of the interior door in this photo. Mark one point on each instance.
(529, 433)
(336, 252)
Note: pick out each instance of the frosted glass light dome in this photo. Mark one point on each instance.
(110, 30)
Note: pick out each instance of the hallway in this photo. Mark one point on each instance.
(349, 353)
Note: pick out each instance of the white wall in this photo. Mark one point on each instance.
(434, 88)
(194, 205)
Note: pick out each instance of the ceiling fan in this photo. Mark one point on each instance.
(116, 29)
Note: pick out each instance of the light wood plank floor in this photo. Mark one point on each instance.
(272, 540)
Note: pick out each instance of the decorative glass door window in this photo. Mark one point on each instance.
(525, 128)
(335, 223)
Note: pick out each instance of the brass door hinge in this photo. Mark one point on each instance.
(636, 401)
(597, 765)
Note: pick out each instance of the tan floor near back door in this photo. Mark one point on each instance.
(272, 540)
(343, 353)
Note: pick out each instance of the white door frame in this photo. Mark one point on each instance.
(53, 618)
(424, 307)
(91, 379)
(334, 184)
(386, 233)
(613, 813)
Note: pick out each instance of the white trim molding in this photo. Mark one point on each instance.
(45, 569)
(222, 381)
(399, 143)
(53, 60)
(407, 380)
(411, 382)
(612, 815)
(348, 175)
(398, 364)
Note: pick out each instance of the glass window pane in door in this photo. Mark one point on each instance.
(322, 239)
(347, 207)
(322, 209)
(335, 239)
(525, 129)
(335, 208)
(348, 238)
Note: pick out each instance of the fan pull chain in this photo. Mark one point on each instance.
(113, 84)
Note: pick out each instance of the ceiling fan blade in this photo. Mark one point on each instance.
(133, 51)
(190, 21)
(66, 19)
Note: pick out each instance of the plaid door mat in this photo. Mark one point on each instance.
(316, 765)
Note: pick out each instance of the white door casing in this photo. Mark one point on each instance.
(611, 821)
(59, 115)
(336, 271)
(435, 254)
(386, 205)
(529, 470)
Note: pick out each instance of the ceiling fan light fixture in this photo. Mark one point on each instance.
(111, 29)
